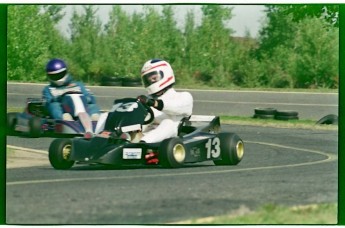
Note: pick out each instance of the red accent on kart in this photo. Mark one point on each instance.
(166, 81)
(163, 64)
(151, 158)
(58, 128)
(153, 161)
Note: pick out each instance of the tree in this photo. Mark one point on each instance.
(316, 54)
(85, 54)
(297, 50)
(330, 13)
(214, 57)
(29, 42)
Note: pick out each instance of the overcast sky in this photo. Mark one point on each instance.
(245, 17)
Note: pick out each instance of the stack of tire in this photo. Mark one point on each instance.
(111, 81)
(272, 113)
(120, 81)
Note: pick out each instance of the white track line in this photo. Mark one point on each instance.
(328, 158)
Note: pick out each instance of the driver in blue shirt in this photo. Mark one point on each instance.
(61, 82)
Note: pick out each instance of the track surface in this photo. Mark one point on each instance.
(280, 166)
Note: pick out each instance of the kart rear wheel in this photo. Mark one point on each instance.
(232, 149)
(35, 130)
(59, 154)
(11, 123)
(172, 153)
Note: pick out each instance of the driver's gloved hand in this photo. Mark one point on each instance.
(146, 100)
(157, 104)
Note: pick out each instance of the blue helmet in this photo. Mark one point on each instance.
(56, 70)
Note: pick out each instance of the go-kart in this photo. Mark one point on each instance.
(35, 120)
(198, 140)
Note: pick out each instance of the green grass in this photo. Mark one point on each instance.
(15, 109)
(260, 89)
(9, 151)
(304, 124)
(272, 214)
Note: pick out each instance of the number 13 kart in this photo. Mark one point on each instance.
(199, 139)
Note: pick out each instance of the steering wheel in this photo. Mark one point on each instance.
(60, 98)
(150, 111)
(71, 92)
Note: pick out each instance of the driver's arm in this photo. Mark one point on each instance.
(47, 96)
(182, 104)
(89, 97)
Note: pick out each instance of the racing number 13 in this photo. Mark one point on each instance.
(213, 148)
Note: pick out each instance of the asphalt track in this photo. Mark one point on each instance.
(311, 106)
(280, 166)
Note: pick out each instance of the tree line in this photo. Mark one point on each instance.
(297, 46)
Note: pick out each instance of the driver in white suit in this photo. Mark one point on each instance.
(169, 106)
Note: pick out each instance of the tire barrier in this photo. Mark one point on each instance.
(286, 115)
(120, 81)
(272, 113)
(264, 113)
(328, 119)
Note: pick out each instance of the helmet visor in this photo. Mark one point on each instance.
(58, 76)
(152, 77)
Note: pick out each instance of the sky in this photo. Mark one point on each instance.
(245, 17)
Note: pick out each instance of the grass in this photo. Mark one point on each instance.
(15, 109)
(260, 89)
(303, 124)
(273, 214)
(9, 151)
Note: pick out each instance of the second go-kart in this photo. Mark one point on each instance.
(199, 139)
(35, 120)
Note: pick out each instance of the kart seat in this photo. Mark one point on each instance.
(185, 127)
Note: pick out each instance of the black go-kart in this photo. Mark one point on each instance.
(199, 139)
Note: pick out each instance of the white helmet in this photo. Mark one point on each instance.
(157, 75)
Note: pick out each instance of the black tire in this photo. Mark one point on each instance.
(172, 153)
(110, 78)
(111, 81)
(232, 149)
(11, 122)
(329, 119)
(35, 129)
(265, 111)
(59, 152)
(131, 82)
(261, 116)
(286, 113)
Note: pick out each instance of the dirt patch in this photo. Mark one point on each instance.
(21, 158)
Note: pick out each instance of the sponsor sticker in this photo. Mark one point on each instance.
(132, 153)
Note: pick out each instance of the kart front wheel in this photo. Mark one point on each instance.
(59, 154)
(172, 153)
(232, 149)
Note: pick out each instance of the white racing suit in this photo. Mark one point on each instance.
(176, 105)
